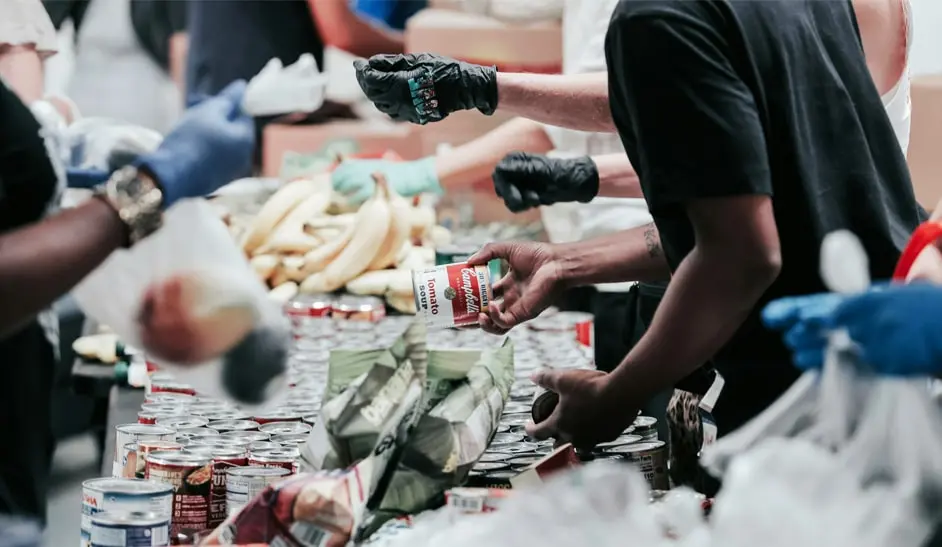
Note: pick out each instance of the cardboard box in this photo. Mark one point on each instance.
(478, 39)
(925, 159)
(360, 137)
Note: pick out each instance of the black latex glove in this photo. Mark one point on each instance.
(525, 181)
(423, 88)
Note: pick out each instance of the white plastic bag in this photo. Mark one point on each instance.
(108, 144)
(845, 458)
(193, 240)
(285, 90)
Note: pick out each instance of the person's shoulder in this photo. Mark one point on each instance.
(664, 9)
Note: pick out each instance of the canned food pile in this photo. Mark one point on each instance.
(191, 460)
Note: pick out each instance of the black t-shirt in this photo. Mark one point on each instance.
(234, 39)
(28, 184)
(729, 98)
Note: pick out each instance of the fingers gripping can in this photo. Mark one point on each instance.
(452, 295)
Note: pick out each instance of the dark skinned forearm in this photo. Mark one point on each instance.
(629, 255)
(43, 261)
(709, 297)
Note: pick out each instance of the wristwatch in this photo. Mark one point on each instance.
(136, 198)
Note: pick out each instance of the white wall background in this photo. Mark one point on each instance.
(927, 39)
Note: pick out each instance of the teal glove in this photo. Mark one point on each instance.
(354, 178)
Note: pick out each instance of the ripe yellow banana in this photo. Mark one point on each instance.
(399, 228)
(318, 258)
(277, 208)
(264, 265)
(369, 233)
(380, 282)
(284, 292)
(422, 219)
(288, 236)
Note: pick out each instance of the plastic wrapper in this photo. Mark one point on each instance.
(372, 419)
(278, 89)
(194, 245)
(108, 144)
(451, 437)
(602, 504)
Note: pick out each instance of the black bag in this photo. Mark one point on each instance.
(155, 21)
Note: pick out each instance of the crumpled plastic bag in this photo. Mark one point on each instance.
(108, 144)
(194, 243)
(278, 89)
(601, 504)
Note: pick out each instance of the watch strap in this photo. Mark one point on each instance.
(137, 199)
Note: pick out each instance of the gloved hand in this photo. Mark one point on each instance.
(804, 320)
(211, 146)
(898, 328)
(525, 181)
(353, 178)
(423, 88)
(78, 177)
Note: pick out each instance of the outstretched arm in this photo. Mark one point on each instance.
(576, 101)
(342, 28)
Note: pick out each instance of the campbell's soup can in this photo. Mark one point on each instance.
(191, 476)
(452, 295)
(223, 460)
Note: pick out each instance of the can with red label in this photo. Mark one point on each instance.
(135, 454)
(358, 308)
(285, 457)
(452, 295)
(224, 426)
(276, 416)
(171, 387)
(579, 325)
(150, 418)
(164, 408)
(223, 460)
(309, 305)
(190, 475)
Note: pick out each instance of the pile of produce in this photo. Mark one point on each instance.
(304, 239)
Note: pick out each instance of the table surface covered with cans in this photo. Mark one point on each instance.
(181, 462)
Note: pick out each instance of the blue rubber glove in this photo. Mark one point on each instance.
(899, 329)
(211, 146)
(354, 180)
(85, 178)
(804, 320)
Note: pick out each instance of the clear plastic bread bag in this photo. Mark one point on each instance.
(221, 296)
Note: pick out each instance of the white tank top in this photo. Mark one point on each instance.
(897, 101)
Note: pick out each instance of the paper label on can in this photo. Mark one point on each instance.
(94, 502)
(130, 536)
(452, 295)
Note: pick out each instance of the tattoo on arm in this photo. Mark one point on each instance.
(652, 240)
